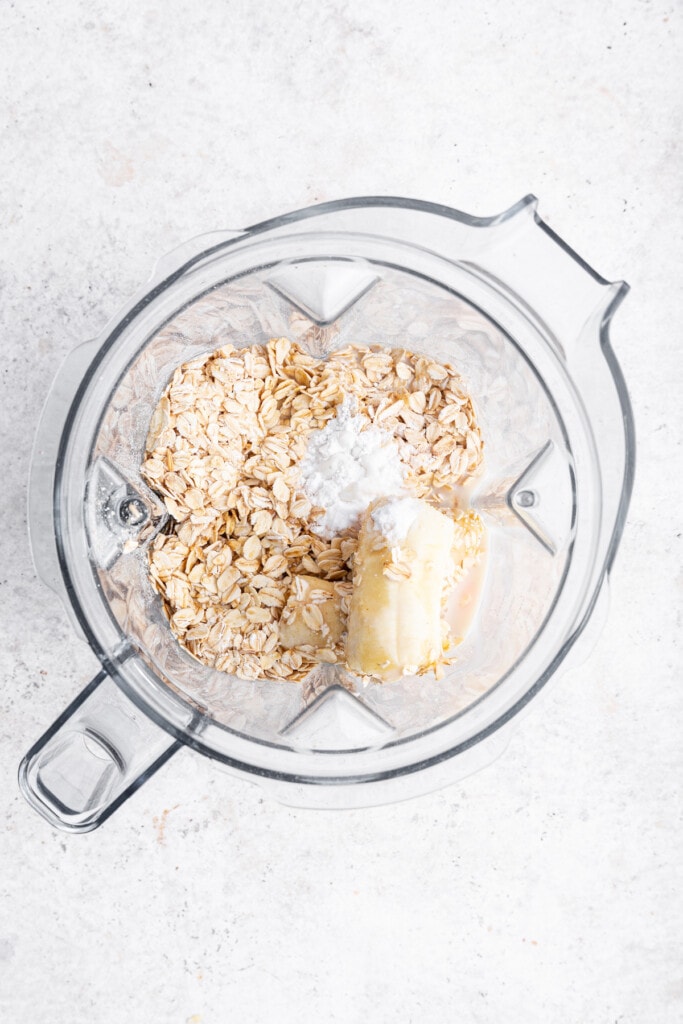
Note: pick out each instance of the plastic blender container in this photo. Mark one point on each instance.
(524, 320)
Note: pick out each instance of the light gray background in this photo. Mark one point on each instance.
(548, 887)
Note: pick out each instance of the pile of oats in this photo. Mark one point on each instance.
(223, 451)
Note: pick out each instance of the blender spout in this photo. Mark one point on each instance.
(544, 277)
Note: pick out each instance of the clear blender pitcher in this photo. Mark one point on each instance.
(523, 319)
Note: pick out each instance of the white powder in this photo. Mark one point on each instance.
(348, 465)
(394, 518)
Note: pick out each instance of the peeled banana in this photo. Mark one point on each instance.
(402, 566)
(312, 615)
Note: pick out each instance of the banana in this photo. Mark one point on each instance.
(312, 615)
(402, 566)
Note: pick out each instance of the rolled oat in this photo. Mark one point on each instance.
(223, 450)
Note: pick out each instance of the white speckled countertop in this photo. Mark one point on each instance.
(547, 888)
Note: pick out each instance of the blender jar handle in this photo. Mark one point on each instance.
(97, 753)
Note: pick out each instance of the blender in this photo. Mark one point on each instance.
(524, 320)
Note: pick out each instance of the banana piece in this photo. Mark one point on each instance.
(401, 569)
(312, 615)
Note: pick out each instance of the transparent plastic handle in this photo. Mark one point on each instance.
(98, 752)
